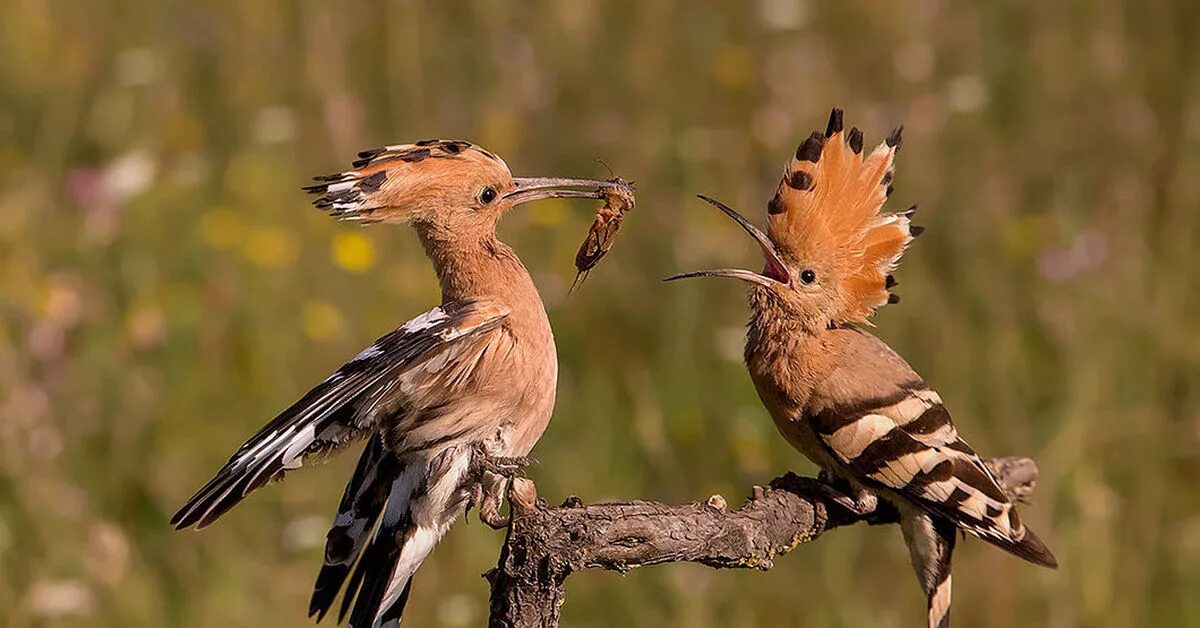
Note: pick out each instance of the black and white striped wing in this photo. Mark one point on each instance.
(908, 444)
(340, 409)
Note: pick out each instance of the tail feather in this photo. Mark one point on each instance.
(360, 508)
(1029, 547)
(1006, 531)
(385, 575)
(423, 501)
(930, 542)
(938, 597)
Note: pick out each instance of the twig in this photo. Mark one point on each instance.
(544, 545)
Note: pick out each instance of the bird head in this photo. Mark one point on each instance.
(450, 186)
(828, 250)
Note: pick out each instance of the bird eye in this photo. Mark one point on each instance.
(487, 195)
(808, 276)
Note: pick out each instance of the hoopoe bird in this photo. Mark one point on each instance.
(449, 403)
(837, 393)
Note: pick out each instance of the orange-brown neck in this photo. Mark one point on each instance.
(786, 358)
(476, 264)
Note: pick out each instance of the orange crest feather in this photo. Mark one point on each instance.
(387, 176)
(826, 211)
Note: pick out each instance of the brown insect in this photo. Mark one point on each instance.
(618, 199)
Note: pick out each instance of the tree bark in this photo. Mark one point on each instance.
(544, 545)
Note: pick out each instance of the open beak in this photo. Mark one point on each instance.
(774, 271)
(537, 188)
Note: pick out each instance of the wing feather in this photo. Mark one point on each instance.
(348, 404)
(907, 444)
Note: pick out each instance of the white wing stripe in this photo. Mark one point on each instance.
(850, 441)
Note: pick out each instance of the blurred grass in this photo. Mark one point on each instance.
(165, 289)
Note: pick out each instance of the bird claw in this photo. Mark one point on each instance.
(511, 466)
(493, 473)
(489, 514)
(488, 494)
(505, 466)
(474, 497)
(863, 503)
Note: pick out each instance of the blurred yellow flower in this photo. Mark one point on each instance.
(146, 326)
(322, 321)
(353, 252)
(269, 247)
(221, 228)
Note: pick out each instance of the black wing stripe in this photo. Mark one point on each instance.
(930, 421)
(906, 403)
(892, 446)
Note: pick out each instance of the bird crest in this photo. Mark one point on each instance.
(827, 209)
(389, 176)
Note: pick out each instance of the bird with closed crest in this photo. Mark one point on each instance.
(837, 393)
(449, 403)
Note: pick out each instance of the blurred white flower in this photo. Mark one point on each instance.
(783, 15)
(138, 66)
(967, 93)
(274, 124)
(128, 175)
(304, 533)
(60, 598)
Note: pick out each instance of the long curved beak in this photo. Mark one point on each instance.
(537, 188)
(774, 271)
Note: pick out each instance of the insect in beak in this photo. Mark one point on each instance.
(618, 199)
(774, 272)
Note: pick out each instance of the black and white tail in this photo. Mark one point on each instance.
(930, 542)
(403, 515)
(363, 501)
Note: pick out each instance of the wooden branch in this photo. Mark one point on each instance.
(544, 545)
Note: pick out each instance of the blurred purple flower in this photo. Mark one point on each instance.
(1087, 253)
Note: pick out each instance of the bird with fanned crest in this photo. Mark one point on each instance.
(837, 393)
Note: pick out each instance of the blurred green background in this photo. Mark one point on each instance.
(165, 287)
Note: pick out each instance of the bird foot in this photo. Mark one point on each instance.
(488, 494)
(494, 474)
(505, 466)
(863, 503)
(489, 513)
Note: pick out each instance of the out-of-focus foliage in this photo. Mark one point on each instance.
(165, 288)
